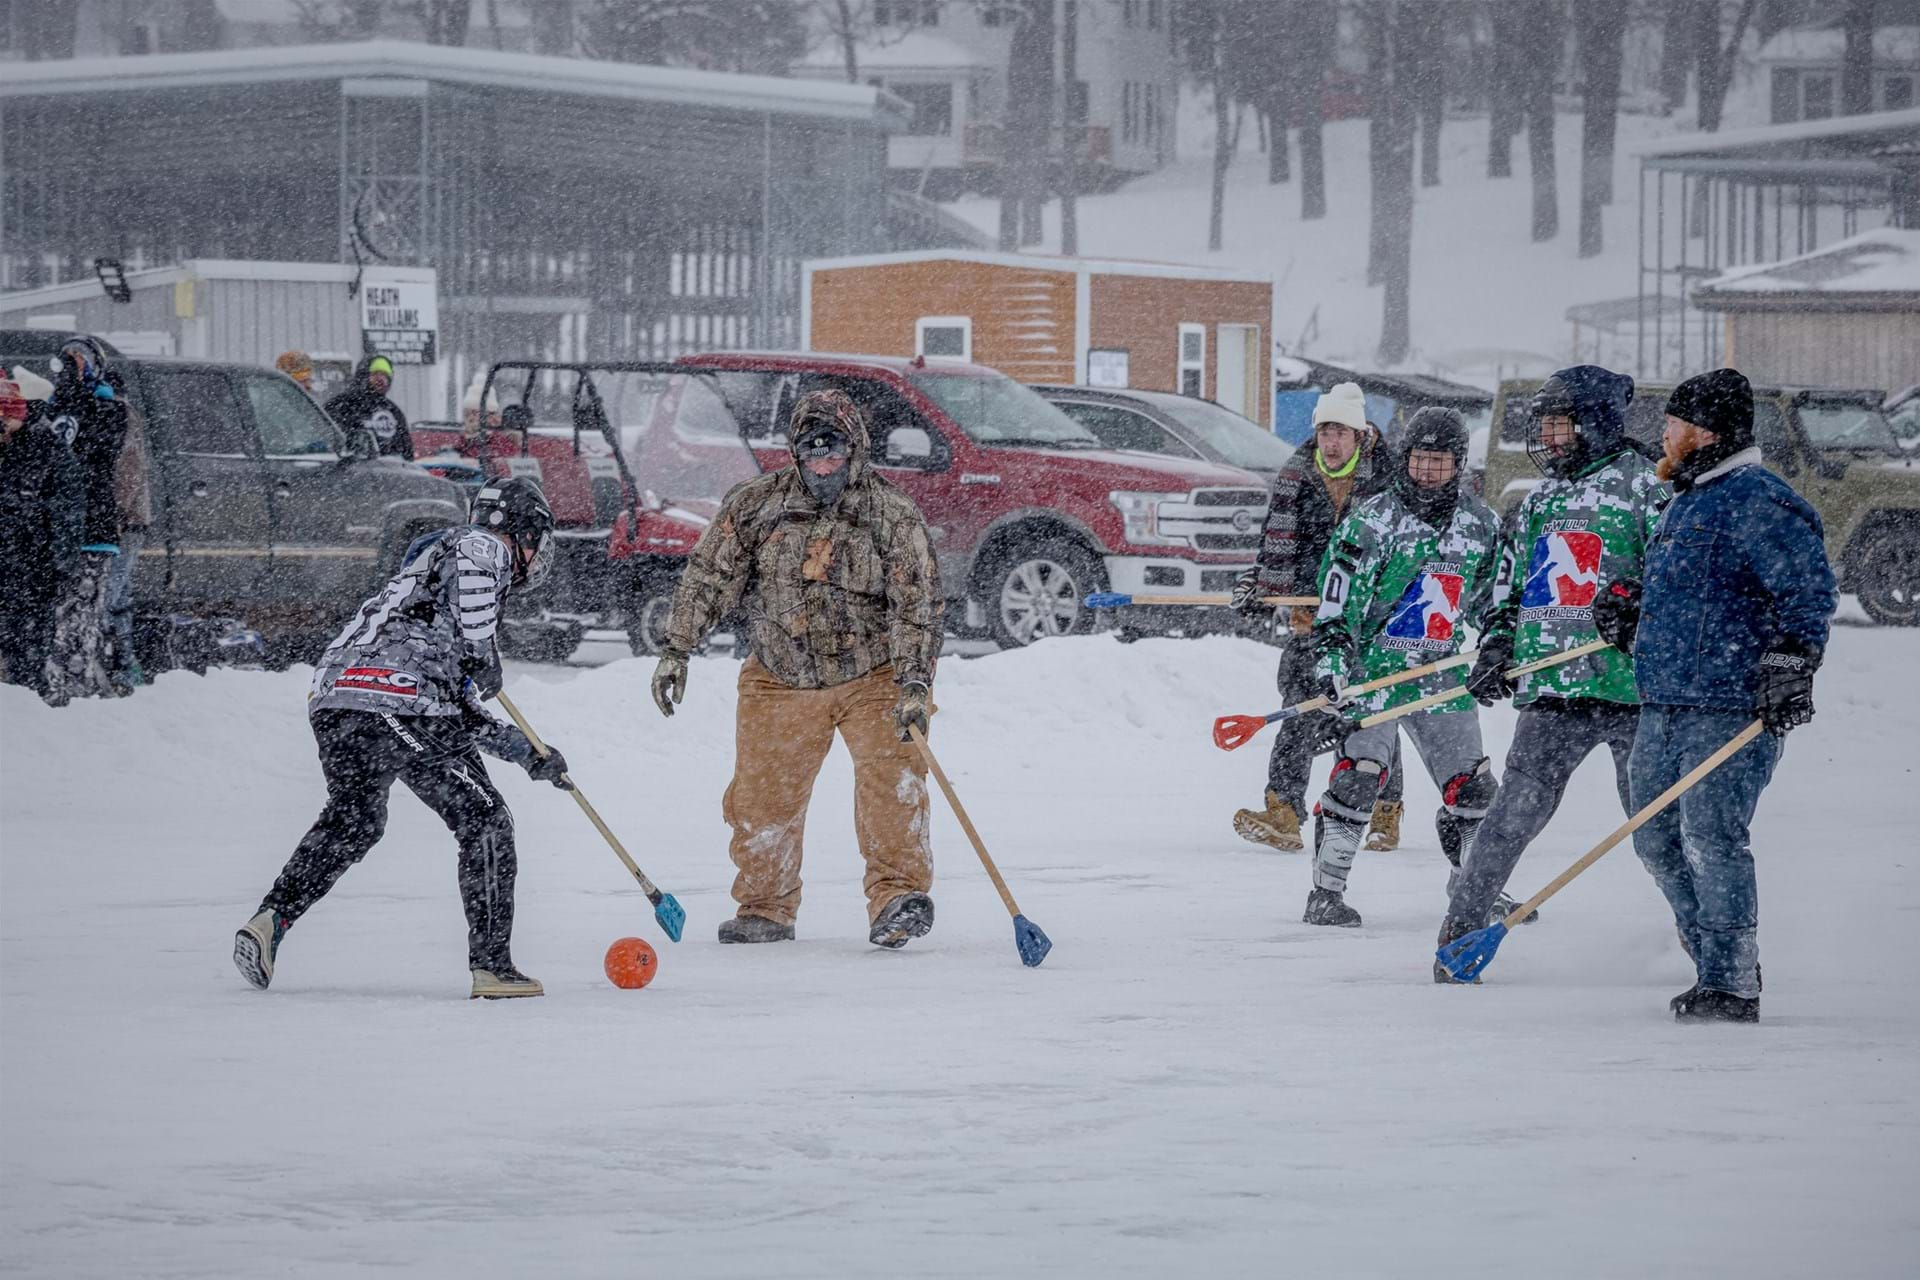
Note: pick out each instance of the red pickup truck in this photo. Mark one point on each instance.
(1028, 512)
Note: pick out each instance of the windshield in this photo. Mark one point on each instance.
(701, 453)
(999, 411)
(1862, 427)
(1238, 440)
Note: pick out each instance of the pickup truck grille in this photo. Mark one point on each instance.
(1217, 519)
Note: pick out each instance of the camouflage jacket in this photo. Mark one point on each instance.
(830, 594)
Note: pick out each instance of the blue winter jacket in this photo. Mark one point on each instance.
(1736, 565)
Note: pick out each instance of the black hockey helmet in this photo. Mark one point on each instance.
(1596, 400)
(1433, 429)
(516, 510)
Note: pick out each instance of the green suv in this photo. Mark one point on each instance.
(1834, 447)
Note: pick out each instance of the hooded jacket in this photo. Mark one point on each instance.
(361, 408)
(85, 413)
(830, 593)
(1302, 513)
(43, 509)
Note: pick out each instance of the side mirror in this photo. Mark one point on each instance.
(909, 445)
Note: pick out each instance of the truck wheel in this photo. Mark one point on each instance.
(538, 641)
(1889, 576)
(647, 614)
(1034, 591)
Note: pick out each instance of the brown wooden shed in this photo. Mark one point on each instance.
(1151, 325)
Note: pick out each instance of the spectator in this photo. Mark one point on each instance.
(297, 365)
(87, 414)
(42, 509)
(364, 406)
(133, 495)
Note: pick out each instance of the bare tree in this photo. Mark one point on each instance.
(1676, 52)
(1429, 88)
(1026, 119)
(1856, 62)
(1318, 31)
(1222, 133)
(444, 22)
(1601, 30)
(1715, 65)
(1400, 30)
(554, 28)
(1074, 117)
(1504, 115)
(1545, 41)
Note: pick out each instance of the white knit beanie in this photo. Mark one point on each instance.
(1345, 405)
(32, 385)
(471, 401)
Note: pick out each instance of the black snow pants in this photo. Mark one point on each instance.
(26, 636)
(1290, 765)
(362, 753)
(1553, 736)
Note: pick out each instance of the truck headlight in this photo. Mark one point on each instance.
(1140, 516)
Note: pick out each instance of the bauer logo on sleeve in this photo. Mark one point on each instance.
(1563, 576)
(1427, 613)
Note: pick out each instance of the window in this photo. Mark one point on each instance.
(1816, 97)
(1786, 95)
(290, 424)
(993, 409)
(1896, 93)
(1125, 429)
(932, 108)
(906, 13)
(943, 337)
(198, 413)
(1193, 360)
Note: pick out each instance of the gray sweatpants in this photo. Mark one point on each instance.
(1554, 735)
(1448, 744)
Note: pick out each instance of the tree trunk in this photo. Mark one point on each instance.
(1430, 84)
(1279, 166)
(1602, 28)
(1074, 105)
(1406, 32)
(1377, 17)
(1676, 52)
(1318, 25)
(1222, 147)
(1856, 61)
(1545, 31)
(1716, 67)
(843, 30)
(1023, 132)
(493, 22)
(1504, 113)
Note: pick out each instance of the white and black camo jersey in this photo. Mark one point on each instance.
(413, 646)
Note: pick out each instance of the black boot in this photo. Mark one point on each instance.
(754, 929)
(907, 917)
(1324, 906)
(1452, 930)
(1703, 1005)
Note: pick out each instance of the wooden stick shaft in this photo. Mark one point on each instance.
(1634, 823)
(1435, 699)
(1222, 598)
(966, 823)
(579, 798)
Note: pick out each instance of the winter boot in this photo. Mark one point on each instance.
(1504, 906)
(1277, 826)
(908, 916)
(1452, 930)
(754, 929)
(1703, 1005)
(1324, 906)
(1384, 835)
(255, 946)
(504, 982)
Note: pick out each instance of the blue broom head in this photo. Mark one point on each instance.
(1107, 600)
(672, 919)
(1032, 941)
(1468, 954)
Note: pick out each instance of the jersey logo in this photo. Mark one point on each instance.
(1426, 614)
(400, 684)
(1563, 577)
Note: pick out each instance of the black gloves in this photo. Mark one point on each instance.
(1783, 696)
(1323, 731)
(1616, 613)
(1247, 597)
(551, 767)
(1488, 681)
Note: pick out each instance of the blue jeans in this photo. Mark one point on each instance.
(1697, 847)
(120, 597)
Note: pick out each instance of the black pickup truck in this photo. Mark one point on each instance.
(262, 509)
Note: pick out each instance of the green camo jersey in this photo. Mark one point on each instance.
(1395, 593)
(1559, 548)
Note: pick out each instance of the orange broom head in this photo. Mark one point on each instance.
(1236, 731)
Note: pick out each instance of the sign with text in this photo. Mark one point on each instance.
(1107, 368)
(399, 319)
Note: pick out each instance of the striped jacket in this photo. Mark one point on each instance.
(413, 647)
(1301, 518)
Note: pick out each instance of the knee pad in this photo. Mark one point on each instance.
(1470, 794)
(1353, 787)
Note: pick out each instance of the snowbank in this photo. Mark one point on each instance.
(1194, 1083)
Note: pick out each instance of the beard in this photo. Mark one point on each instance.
(1675, 446)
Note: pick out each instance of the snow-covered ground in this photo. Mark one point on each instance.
(1486, 300)
(1194, 1084)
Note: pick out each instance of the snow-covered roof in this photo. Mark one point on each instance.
(1043, 262)
(1825, 43)
(1781, 135)
(919, 50)
(1876, 267)
(534, 73)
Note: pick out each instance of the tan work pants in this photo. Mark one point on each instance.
(781, 737)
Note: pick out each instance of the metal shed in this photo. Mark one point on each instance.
(570, 208)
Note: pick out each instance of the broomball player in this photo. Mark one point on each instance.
(1406, 573)
(396, 696)
(1585, 525)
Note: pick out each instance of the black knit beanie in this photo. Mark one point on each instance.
(1720, 402)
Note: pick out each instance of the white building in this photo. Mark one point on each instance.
(949, 61)
(1800, 71)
